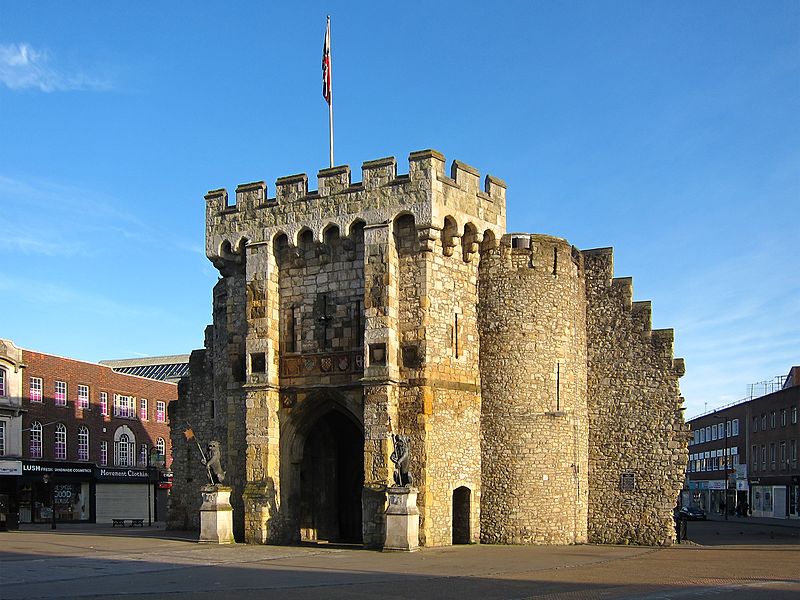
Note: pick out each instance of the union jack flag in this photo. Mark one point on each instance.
(326, 64)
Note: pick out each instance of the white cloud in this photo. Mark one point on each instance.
(23, 67)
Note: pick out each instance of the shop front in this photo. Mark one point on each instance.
(61, 488)
(125, 493)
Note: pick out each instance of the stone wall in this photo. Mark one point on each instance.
(636, 426)
(533, 372)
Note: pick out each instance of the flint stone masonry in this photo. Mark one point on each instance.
(524, 375)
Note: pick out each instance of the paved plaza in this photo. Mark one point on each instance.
(723, 560)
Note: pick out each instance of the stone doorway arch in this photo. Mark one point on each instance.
(323, 471)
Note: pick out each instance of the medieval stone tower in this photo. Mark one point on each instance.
(540, 404)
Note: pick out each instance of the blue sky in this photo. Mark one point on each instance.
(668, 130)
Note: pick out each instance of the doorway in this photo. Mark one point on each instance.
(331, 480)
(461, 510)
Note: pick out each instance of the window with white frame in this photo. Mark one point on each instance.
(783, 417)
(708, 433)
(123, 451)
(143, 455)
(2, 382)
(754, 457)
(104, 404)
(60, 442)
(161, 411)
(2, 438)
(60, 393)
(727, 429)
(793, 452)
(783, 455)
(794, 415)
(103, 453)
(161, 446)
(36, 389)
(763, 457)
(702, 436)
(83, 397)
(143, 409)
(83, 444)
(123, 406)
(735, 427)
(35, 440)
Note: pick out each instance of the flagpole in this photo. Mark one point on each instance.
(330, 104)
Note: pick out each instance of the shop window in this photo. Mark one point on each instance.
(36, 389)
(35, 441)
(60, 442)
(83, 444)
(60, 393)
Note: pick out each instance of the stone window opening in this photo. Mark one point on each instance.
(258, 362)
(555, 261)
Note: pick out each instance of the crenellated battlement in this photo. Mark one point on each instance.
(424, 166)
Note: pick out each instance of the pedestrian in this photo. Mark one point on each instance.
(722, 507)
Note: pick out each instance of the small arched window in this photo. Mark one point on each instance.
(36, 440)
(161, 446)
(60, 446)
(83, 444)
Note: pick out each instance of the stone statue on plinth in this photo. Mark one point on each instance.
(402, 514)
(216, 512)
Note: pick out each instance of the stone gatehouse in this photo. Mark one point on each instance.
(541, 406)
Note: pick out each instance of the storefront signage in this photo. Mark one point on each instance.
(56, 468)
(716, 485)
(741, 485)
(10, 467)
(118, 475)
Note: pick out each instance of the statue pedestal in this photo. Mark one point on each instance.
(402, 520)
(216, 515)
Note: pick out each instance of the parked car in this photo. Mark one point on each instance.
(692, 513)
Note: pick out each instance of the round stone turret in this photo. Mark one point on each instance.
(532, 324)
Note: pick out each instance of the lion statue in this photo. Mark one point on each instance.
(212, 462)
(400, 457)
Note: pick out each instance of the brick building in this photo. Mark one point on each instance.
(99, 436)
(761, 436)
(540, 404)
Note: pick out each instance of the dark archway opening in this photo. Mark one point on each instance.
(331, 480)
(461, 529)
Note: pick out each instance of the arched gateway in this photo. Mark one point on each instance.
(323, 470)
